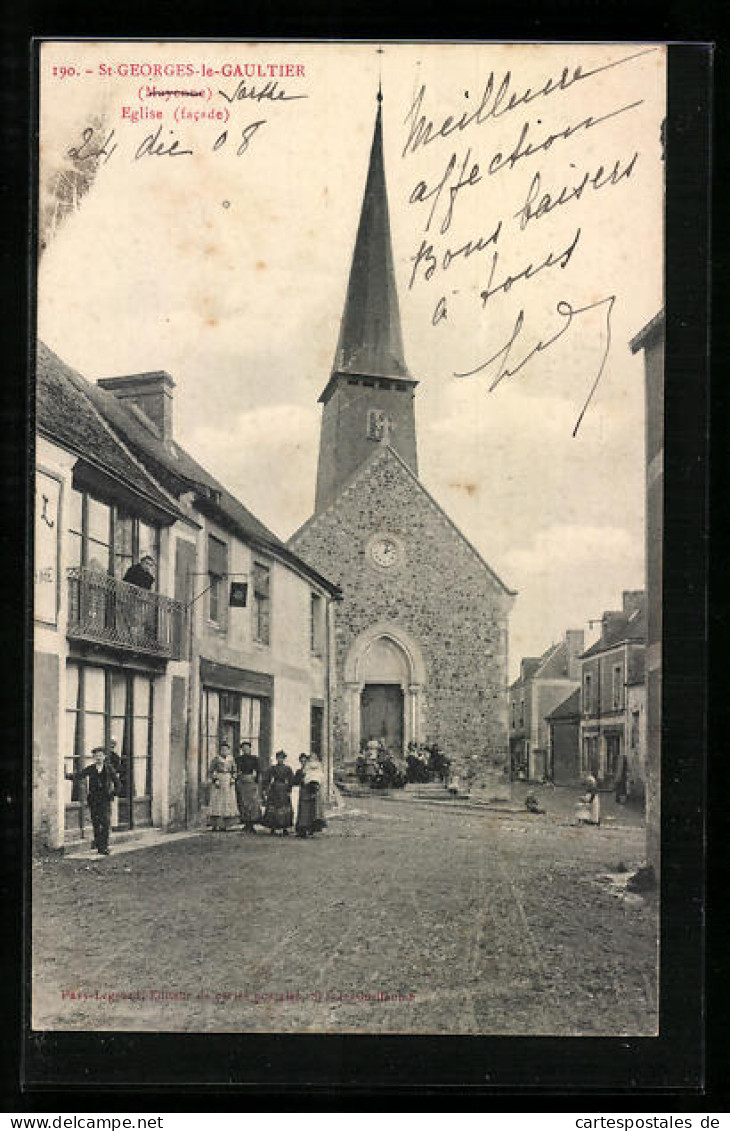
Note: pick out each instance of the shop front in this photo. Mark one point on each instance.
(236, 707)
(113, 707)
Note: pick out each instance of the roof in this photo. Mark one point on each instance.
(170, 465)
(382, 451)
(534, 667)
(370, 340)
(645, 336)
(568, 709)
(67, 415)
(619, 629)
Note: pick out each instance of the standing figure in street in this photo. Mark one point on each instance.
(622, 783)
(310, 815)
(588, 809)
(223, 807)
(296, 792)
(278, 782)
(247, 788)
(102, 784)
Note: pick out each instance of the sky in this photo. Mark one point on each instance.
(227, 267)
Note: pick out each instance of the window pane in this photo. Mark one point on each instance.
(118, 693)
(72, 686)
(214, 603)
(70, 788)
(94, 689)
(98, 519)
(148, 540)
(211, 738)
(261, 576)
(217, 556)
(141, 777)
(123, 543)
(94, 736)
(74, 550)
(75, 507)
(141, 699)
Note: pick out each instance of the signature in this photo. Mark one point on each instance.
(566, 311)
(496, 101)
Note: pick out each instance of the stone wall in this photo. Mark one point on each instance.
(440, 593)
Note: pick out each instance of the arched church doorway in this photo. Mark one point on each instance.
(384, 679)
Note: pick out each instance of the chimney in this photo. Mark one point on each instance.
(574, 639)
(633, 601)
(151, 393)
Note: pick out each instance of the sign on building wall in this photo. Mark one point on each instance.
(47, 510)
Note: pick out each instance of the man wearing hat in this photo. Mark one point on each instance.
(102, 785)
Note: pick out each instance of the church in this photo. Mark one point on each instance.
(420, 636)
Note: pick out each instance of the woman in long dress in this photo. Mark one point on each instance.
(310, 816)
(278, 782)
(223, 807)
(588, 809)
(247, 788)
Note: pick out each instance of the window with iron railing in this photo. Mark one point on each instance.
(105, 610)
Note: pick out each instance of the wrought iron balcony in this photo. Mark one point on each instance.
(103, 610)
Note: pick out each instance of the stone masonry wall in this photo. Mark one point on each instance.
(441, 595)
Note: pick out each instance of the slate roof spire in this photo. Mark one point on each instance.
(370, 339)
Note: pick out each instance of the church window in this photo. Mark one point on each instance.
(262, 603)
(378, 424)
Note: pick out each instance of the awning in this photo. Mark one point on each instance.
(228, 678)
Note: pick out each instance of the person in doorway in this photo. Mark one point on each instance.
(278, 782)
(102, 785)
(310, 816)
(114, 759)
(223, 807)
(142, 574)
(588, 809)
(247, 788)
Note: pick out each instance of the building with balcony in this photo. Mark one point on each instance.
(170, 670)
(611, 678)
(544, 682)
(103, 648)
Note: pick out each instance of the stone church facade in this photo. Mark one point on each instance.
(420, 635)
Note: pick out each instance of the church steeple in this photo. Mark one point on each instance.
(370, 333)
(369, 396)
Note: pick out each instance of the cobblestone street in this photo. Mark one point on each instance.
(401, 917)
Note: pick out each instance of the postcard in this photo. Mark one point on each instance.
(348, 537)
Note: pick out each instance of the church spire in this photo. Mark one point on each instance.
(370, 341)
(369, 398)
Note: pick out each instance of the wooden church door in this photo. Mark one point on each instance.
(381, 707)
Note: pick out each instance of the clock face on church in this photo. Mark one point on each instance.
(386, 550)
